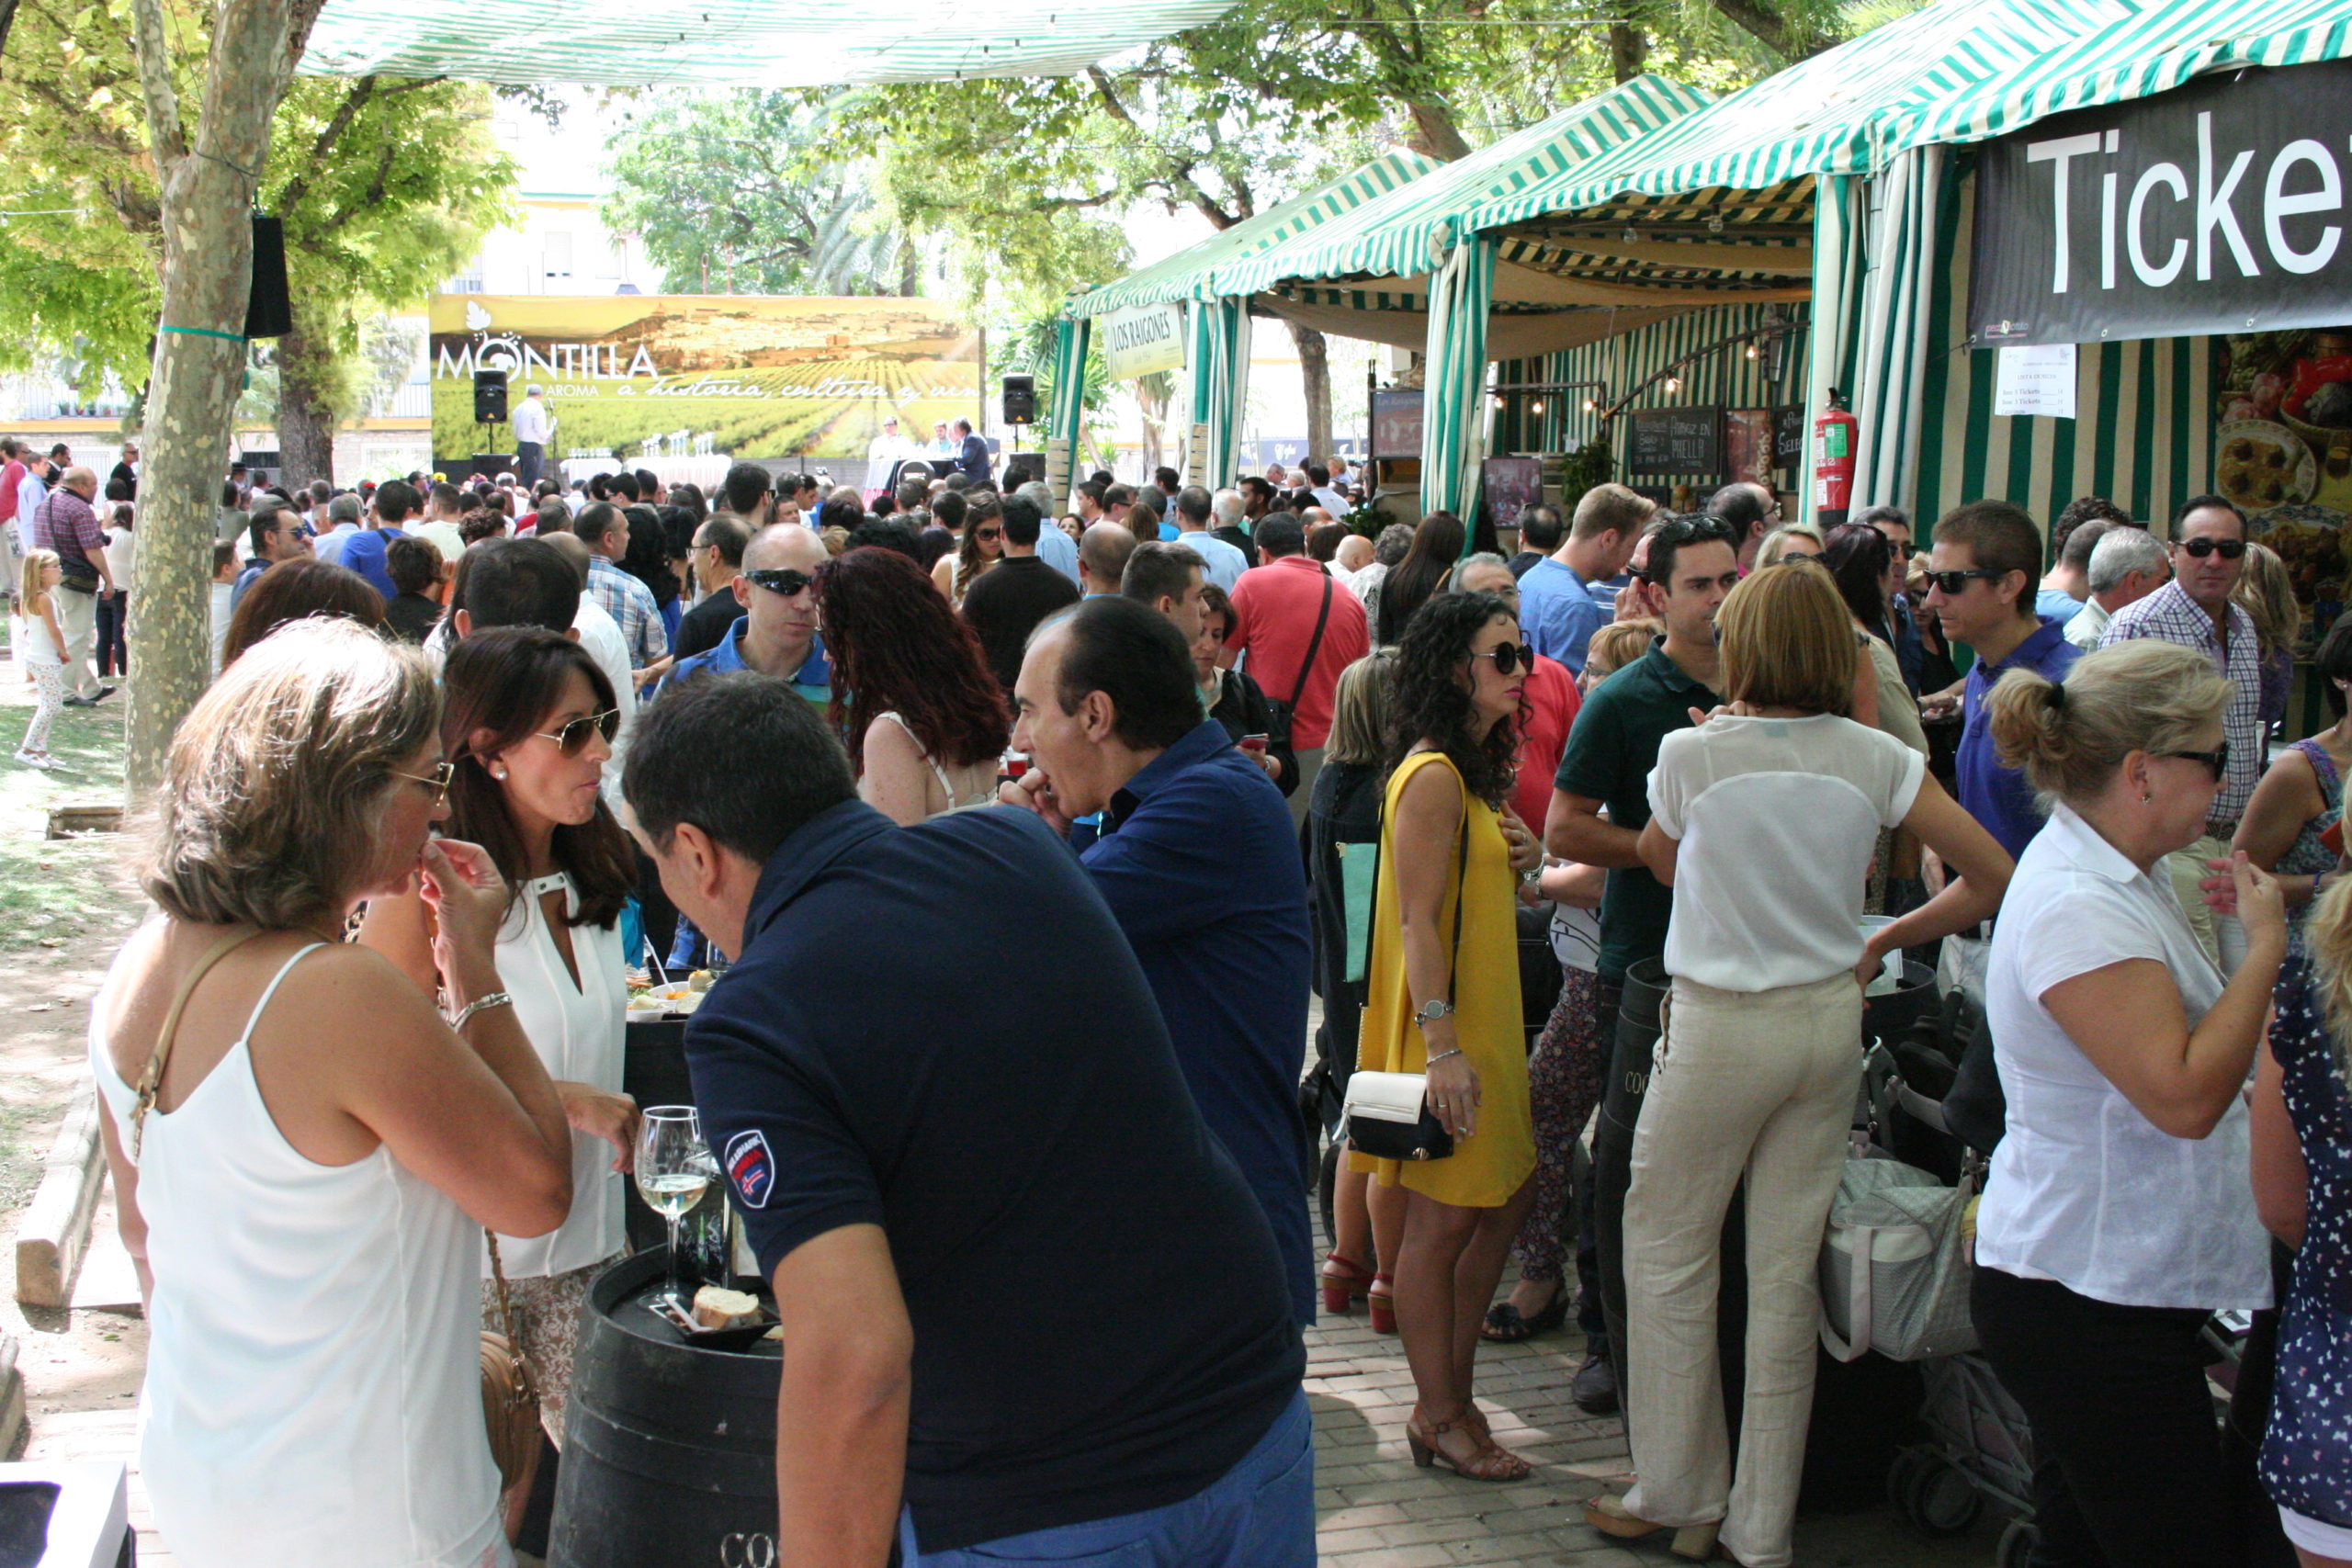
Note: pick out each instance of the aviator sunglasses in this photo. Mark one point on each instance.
(2229, 549)
(572, 739)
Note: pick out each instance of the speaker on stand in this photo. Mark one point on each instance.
(1021, 400)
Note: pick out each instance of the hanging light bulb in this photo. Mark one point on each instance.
(1590, 405)
(1714, 223)
(1535, 406)
(1751, 351)
(1674, 383)
(1633, 235)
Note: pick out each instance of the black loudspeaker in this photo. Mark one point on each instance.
(489, 397)
(269, 308)
(1021, 400)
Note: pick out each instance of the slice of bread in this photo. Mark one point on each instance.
(717, 1308)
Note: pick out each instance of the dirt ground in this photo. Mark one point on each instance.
(64, 907)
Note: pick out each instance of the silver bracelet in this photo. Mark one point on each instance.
(480, 1004)
(1427, 1061)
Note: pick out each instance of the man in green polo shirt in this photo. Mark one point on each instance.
(1612, 748)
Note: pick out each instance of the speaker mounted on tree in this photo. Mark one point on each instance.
(489, 397)
(1021, 400)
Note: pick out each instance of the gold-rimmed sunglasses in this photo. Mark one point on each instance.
(437, 781)
(572, 739)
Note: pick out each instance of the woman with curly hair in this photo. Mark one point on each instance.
(924, 719)
(1443, 999)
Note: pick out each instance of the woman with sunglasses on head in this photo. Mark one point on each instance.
(1443, 999)
(925, 722)
(981, 546)
(303, 1146)
(2117, 1215)
(1763, 820)
(527, 721)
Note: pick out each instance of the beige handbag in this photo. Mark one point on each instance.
(509, 1391)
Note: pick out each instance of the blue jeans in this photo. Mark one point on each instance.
(1259, 1514)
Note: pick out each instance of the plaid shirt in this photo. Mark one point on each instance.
(64, 522)
(631, 604)
(2171, 616)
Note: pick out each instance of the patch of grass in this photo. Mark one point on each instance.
(20, 1161)
(53, 892)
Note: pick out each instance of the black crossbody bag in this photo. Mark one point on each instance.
(1279, 734)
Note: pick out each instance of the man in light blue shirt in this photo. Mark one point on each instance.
(1221, 563)
(1559, 608)
(1056, 548)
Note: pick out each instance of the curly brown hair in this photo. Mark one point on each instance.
(1433, 703)
(897, 648)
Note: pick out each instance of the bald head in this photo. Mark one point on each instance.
(1103, 552)
(574, 550)
(785, 547)
(1354, 554)
(82, 482)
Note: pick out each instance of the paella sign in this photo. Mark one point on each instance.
(745, 375)
(2218, 207)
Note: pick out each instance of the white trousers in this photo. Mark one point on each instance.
(1758, 1085)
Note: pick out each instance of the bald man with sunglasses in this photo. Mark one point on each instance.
(777, 634)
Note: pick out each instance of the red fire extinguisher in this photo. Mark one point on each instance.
(1833, 456)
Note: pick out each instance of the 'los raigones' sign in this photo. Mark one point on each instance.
(2218, 207)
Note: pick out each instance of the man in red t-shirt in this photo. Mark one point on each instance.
(1277, 606)
(12, 543)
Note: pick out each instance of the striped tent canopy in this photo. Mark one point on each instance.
(1191, 273)
(770, 44)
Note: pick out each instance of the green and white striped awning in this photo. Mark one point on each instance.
(1957, 70)
(770, 44)
(1192, 272)
(1408, 232)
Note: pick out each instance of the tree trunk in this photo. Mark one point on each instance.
(209, 173)
(1433, 132)
(1629, 50)
(306, 422)
(1314, 370)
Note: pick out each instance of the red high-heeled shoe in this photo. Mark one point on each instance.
(1344, 1280)
(1380, 1302)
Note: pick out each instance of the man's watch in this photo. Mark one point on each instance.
(1430, 1011)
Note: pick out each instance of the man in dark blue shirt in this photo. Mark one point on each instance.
(972, 453)
(1198, 861)
(1015, 1272)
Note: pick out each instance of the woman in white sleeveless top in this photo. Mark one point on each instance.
(305, 1190)
(527, 718)
(924, 720)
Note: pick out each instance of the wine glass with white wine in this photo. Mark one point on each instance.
(674, 1169)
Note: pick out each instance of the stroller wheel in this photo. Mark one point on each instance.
(1941, 1499)
(1902, 1473)
(2018, 1542)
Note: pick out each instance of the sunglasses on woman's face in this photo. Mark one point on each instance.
(2217, 761)
(2229, 549)
(572, 739)
(1509, 657)
(436, 783)
(986, 535)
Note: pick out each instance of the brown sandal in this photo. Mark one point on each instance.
(1488, 1460)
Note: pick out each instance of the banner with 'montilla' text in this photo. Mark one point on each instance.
(2215, 207)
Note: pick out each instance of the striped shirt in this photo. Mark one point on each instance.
(2169, 614)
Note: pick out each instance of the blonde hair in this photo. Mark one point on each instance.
(272, 793)
(2327, 937)
(30, 587)
(2267, 591)
(1618, 644)
(1769, 552)
(1788, 642)
(2141, 695)
(1360, 706)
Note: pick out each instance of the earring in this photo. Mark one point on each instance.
(2144, 798)
(500, 775)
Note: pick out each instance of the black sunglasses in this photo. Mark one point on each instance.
(780, 580)
(2217, 761)
(1507, 657)
(1953, 582)
(2229, 549)
(572, 739)
(989, 533)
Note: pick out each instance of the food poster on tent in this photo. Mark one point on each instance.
(2282, 453)
(1749, 449)
(758, 377)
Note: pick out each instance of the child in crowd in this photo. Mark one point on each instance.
(40, 652)
(224, 586)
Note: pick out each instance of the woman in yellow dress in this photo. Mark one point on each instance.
(1444, 999)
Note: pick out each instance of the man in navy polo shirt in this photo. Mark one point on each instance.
(1022, 1287)
(776, 634)
(1197, 856)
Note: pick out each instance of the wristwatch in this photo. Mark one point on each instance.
(1430, 1011)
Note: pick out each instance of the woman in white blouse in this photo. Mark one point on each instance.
(527, 721)
(1764, 819)
(2119, 1215)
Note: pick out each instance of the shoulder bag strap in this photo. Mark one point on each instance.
(1461, 896)
(1314, 646)
(152, 1080)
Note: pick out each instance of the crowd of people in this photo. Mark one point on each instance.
(1239, 755)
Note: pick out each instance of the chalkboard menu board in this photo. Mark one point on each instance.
(1678, 441)
(1397, 422)
(1788, 435)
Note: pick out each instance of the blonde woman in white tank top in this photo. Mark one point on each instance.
(304, 1190)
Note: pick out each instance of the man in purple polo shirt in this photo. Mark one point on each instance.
(1980, 578)
(63, 521)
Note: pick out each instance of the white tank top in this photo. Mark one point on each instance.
(40, 647)
(978, 781)
(314, 1387)
(580, 1034)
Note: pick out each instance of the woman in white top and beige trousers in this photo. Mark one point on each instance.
(303, 1151)
(1765, 818)
(2120, 1211)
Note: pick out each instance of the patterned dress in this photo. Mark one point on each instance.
(2307, 1452)
(2307, 856)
